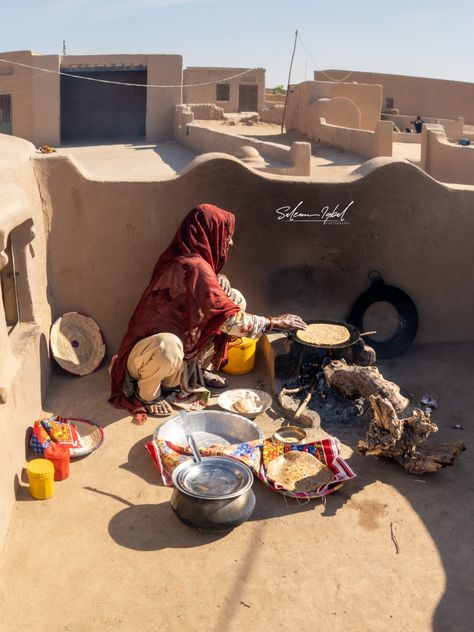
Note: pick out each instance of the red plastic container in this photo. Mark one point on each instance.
(59, 456)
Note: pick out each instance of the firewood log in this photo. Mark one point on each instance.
(363, 381)
(401, 439)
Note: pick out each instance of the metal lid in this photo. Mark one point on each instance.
(215, 478)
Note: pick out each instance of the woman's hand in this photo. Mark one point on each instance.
(224, 283)
(287, 322)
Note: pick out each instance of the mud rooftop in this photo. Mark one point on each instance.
(389, 550)
(107, 552)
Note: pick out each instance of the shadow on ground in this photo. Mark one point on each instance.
(333, 155)
(443, 500)
(175, 155)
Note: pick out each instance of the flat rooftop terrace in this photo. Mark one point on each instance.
(107, 553)
(132, 159)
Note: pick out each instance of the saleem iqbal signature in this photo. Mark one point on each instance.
(326, 215)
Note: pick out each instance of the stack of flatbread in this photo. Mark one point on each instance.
(298, 471)
(324, 334)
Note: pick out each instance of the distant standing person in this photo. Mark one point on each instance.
(418, 123)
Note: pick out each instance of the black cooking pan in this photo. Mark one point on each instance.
(354, 335)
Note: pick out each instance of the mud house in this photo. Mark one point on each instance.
(233, 89)
(45, 107)
(437, 98)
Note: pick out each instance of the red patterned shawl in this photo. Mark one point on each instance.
(184, 296)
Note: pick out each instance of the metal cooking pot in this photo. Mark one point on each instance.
(214, 494)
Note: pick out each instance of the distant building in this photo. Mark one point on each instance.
(44, 107)
(241, 93)
(436, 98)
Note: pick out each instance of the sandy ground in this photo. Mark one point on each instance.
(107, 553)
(130, 160)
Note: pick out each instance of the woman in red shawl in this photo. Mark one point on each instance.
(186, 312)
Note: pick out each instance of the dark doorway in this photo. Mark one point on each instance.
(5, 114)
(91, 110)
(248, 98)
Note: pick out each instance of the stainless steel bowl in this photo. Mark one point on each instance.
(214, 494)
(213, 478)
(213, 515)
(211, 427)
(289, 435)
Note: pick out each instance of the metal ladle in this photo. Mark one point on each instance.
(218, 511)
(189, 437)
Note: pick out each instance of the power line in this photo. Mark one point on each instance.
(322, 71)
(140, 85)
(123, 83)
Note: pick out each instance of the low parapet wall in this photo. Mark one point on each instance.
(272, 113)
(296, 160)
(273, 98)
(453, 128)
(207, 111)
(443, 160)
(414, 230)
(406, 137)
(358, 141)
(24, 355)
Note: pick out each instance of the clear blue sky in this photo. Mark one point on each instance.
(431, 38)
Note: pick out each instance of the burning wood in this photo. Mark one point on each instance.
(401, 439)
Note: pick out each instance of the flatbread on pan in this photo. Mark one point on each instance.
(324, 334)
(299, 471)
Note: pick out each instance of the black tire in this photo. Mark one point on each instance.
(400, 342)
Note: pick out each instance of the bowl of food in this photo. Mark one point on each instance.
(210, 428)
(245, 401)
(289, 435)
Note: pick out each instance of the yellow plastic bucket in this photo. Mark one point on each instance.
(241, 356)
(41, 478)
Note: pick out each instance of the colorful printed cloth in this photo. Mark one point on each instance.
(256, 455)
(54, 429)
(327, 451)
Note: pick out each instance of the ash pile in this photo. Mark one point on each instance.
(342, 387)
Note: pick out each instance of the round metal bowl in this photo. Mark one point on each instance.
(213, 515)
(213, 495)
(289, 435)
(214, 478)
(210, 428)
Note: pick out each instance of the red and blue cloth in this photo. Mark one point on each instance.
(53, 429)
(256, 455)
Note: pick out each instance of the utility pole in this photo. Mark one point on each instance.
(288, 85)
